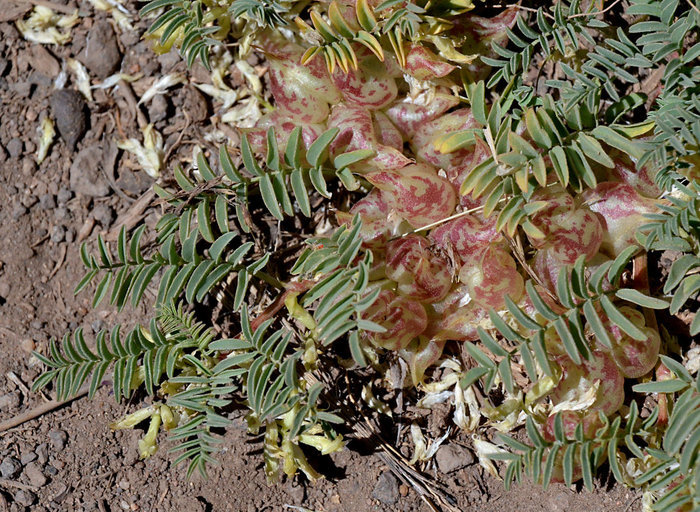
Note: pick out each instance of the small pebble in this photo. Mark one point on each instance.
(158, 108)
(25, 498)
(101, 54)
(28, 345)
(18, 211)
(60, 492)
(58, 438)
(387, 488)
(29, 146)
(9, 401)
(15, 148)
(58, 234)
(451, 457)
(64, 195)
(69, 111)
(34, 474)
(10, 467)
(27, 457)
(47, 202)
(28, 166)
(70, 235)
(51, 470)
(42, 453)
(29, 200)
(97, 325)
(104, 214)
(61, 213)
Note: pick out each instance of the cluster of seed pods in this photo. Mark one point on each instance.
(438, 278)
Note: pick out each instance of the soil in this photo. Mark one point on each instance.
(69, 459)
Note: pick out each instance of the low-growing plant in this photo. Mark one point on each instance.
(487, 221)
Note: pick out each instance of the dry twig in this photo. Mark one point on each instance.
(42, 409)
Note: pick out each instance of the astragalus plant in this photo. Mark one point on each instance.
(479, 190)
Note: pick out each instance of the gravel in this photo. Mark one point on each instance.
(101, 54)
(58, 234)
(34, 474)
(10, 467)
(47, 202)
(25, 498)
(451, 457)
(387, 488)
(15, 148)
(85, 173)
(58, 439)
(70, 111)
(64, 195)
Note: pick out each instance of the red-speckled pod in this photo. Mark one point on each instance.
(621, 210)
(371, 85)
(416, 193)
(493, 278)
(423, 64)
(421, 273)
(467, 236)
(357, 132)
(423, 142)
(403, 318)
(576, 379)
(410, 113)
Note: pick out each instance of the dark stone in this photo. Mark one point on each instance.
(25, 498)
(10, 467)
(387, 488)
(70, 111)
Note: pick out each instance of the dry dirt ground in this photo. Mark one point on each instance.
(69, 459)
